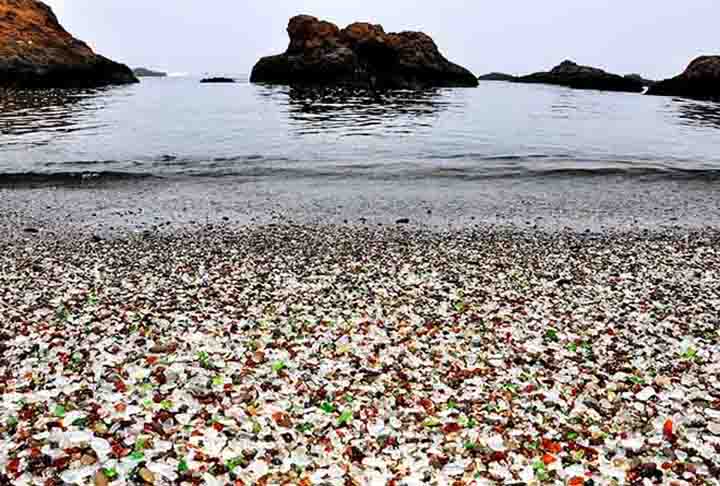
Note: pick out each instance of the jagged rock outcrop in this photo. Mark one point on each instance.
(700, 80)
(575, 76)
(37, 52)
(361, 54)
(497, 77)
(142, 72)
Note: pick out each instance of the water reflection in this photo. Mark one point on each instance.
(699, 114)
(360, 112)
(565, 102)
(41, 116)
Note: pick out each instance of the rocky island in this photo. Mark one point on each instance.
(573, 75)
(361, 54)
(576, 76)
(497, 77)
(142, 72)
(217, 80)
(37, 52)
(700, 80)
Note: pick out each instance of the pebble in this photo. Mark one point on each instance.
(663, 381)
(146, 475)
(100, 479)
(87, 460)
(646, 394)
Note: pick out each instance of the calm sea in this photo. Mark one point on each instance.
(179, 127)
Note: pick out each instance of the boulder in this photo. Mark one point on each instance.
(575, 76)
(701, 80)
(361, 54)
(37, 52)
(497, 77)
(142, 72)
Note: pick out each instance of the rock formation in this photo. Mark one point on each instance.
(497, 77)
(142, 72)
(640, 79)
(573, 75)
(700, 80)
(217, 80)
(37, 52)
(361, 54)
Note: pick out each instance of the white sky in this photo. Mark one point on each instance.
(656, 38)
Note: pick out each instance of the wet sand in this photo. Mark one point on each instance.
(117, 205)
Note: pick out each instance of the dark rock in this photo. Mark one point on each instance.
(497, 77)
(33, 231)
(37, 52)
(148, 73)
(217, 80)
(640, 79)
(403, 221)
(583, 77)
(361, 55)
(701, 80)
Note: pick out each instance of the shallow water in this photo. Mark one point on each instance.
(178, 127)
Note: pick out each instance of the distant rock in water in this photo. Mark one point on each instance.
(37, 52)
(640, 79)
(361, 55)
(497, 77)
(148, 73)
(701, 80)
(575, 76)
(217, 80)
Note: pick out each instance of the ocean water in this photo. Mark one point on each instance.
(177, 127)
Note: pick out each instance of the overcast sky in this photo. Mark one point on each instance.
(656, 38)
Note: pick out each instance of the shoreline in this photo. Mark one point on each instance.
(116, 208)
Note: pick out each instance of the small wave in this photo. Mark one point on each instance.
(639, 173)
(405, 173)
(654, 172)
(66, 178)
(168, 164)
(258, 167)
(501, 157)
(81, 163)
(251, 158)
(191, 165)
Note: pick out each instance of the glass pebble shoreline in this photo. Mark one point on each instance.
(348, 355)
